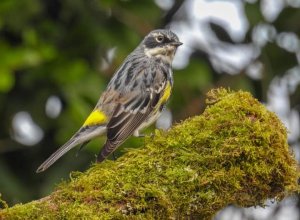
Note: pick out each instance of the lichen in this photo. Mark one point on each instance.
(236, 152)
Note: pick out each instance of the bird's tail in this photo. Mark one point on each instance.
(107, 149)
(83, 135)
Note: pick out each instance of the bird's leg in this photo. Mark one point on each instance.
(136, 133)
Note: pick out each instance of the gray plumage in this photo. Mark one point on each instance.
(133, 99)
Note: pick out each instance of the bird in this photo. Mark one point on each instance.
(133, 99)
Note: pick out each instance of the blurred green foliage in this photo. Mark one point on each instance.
(56, 48)
(59, 48)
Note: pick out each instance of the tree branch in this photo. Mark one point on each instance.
(236, 152)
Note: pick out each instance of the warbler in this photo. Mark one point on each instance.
(134, 98)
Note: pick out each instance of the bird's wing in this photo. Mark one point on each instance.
(135, 104)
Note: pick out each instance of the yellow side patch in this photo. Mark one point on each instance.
(95, 118)
(167, 94)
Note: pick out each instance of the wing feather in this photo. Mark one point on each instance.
(134, 107)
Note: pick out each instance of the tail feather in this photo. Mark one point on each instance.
(82, 136)
(107, 149)
(57, 154)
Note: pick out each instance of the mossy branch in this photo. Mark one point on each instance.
(236, 152)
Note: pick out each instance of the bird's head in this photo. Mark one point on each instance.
(161, 44)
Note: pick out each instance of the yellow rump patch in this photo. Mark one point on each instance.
(167, 94)
(95, 118)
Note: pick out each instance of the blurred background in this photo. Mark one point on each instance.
(56, 58)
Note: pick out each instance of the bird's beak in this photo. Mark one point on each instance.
(176, 43)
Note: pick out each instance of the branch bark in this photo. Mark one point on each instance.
(236, 152)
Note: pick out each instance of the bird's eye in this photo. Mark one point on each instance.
(159, 39)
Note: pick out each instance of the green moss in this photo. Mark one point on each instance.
(236, 152)
(3, 204)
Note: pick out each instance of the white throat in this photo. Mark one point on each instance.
(166, 54)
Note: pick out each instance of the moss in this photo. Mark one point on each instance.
(3, 204)
(236, 152)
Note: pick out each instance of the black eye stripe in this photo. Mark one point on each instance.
(151, 41)
(166, 40)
